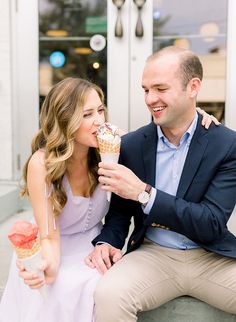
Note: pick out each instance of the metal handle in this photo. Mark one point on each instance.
(118, 25)
(139, 25)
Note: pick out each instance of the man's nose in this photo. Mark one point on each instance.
(151, 98)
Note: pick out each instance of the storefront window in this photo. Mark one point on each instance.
(72, 41)
(202, 27)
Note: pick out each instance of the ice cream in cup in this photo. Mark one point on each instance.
(24, 238)
(109, 144)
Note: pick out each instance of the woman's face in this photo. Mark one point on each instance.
(93, 117)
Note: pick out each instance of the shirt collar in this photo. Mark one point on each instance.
(186, 136)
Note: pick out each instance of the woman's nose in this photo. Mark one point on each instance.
(99, 120)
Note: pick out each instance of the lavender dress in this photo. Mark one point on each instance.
(70, 298)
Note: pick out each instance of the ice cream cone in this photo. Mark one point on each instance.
(31, 265)
(109, 157)
(23, 236)
(23, 253)
(109, 145)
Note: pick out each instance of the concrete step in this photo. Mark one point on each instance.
(9, 199)
(186, 309)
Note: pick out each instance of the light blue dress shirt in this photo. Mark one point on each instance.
(169, 165)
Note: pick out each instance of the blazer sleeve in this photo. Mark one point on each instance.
(117, 222)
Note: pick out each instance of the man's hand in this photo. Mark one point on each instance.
(102, 257)
(120, 180)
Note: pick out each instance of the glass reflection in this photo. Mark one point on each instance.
(67, 26)
(202, 27)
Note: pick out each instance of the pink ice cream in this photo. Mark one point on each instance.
(23, 234)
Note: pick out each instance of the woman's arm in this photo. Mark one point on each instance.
(43, 213)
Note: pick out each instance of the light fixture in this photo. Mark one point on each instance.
(182, 42)
(83, 50)
(56, 33)
(96, 65)
(209, 31)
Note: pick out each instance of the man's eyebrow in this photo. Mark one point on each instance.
(155, 85)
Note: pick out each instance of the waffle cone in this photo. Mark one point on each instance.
(24, 253)
(108, 147)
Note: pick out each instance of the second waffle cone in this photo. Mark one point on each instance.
(24, 253)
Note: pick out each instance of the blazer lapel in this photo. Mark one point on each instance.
(196, 150)
(149, 147)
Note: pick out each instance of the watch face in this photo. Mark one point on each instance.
(143, 197)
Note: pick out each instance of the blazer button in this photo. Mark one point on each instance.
(155, 225)
(132, 242)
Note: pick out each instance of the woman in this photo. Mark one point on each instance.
(62, 182)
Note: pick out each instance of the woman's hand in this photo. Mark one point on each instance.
(207, 119)
(49, 265)
(31, 279)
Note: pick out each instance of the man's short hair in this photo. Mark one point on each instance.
(189, 67)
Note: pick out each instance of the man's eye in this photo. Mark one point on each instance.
(162, 89)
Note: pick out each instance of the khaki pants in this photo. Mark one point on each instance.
(153, 275)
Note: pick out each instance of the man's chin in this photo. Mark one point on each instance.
(157, 121)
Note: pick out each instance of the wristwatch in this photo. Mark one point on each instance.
(145, 195)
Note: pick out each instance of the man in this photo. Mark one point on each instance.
(178, 181)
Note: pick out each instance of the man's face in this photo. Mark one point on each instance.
(167, 100)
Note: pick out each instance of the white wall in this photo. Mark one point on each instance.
(5, 93)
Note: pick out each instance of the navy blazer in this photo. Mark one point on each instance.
(205, 197)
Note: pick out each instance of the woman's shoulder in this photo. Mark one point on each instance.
(37, 160)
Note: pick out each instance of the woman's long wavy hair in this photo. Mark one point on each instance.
(60, 117)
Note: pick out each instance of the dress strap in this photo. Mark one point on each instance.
(47, 195)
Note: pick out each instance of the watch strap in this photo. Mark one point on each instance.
(148, 188)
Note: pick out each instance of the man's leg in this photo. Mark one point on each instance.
(140, 281)
(214, 281)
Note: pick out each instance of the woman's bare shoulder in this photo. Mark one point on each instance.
(37, 161)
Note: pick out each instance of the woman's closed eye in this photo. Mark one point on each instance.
(91, 112)
(87, 114)
(101, 110)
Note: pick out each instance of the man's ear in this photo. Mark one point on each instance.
(194, 87)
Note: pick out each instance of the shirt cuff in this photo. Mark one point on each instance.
(150, 203)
